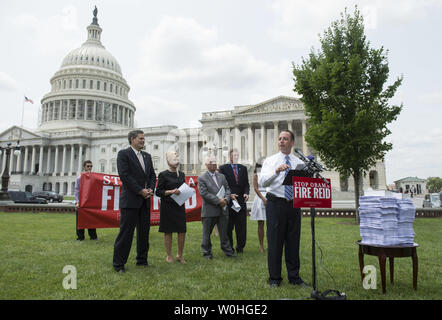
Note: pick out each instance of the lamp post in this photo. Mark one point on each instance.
(4, 195)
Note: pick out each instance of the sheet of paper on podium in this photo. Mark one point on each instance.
(186, 193)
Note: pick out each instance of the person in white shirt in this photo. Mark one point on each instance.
(283, 221)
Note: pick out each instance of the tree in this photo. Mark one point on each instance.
(342, 88)
(434, 184)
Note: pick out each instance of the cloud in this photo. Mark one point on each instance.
(186, 67)
(183, 54)
(300, 22)
(54, 35)
(414, 154)
(7, 83)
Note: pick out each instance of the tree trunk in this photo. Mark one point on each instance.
(356, 179)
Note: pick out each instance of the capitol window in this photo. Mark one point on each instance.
(91, 84)
(98, 85)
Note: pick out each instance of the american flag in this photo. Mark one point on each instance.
(28, 100)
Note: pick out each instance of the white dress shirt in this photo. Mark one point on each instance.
(272, 181)
(140, 157)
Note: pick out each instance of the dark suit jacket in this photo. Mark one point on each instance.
(242, 187)
(134, 178)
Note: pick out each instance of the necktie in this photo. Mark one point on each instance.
(235, 172)
(140, 158)
(288, 190)
(214, 179)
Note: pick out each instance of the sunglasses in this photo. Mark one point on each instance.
(89, 166)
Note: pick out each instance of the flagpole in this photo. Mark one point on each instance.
(22, 114)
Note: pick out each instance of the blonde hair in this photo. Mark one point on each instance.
(172, 158)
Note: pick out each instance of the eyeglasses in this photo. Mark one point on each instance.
(89, 166)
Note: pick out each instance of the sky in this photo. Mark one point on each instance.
(182, 57)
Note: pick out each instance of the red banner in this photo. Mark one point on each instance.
(100, 197)
(311, 193)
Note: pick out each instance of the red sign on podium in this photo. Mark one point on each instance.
(311, 193)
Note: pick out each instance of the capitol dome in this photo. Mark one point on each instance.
(88, 91)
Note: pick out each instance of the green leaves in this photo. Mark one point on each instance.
(342, 88)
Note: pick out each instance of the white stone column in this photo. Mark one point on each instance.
(11, 161)
(94, 110)
(185, 158)
(63, 161)
(33, 159)
(87, 155)
(71, 167)
(19, 161)
(76, 109)
(237, 139)
(263, 140)
(48, 165)
(290, 126)
(304, 143)
(54, 173)
(275, 136)
(80, 159)
(195, 156)
(250, 145)
(3, 161)
(40, 162)
(25, 160)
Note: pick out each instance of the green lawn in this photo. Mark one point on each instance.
(36, 247)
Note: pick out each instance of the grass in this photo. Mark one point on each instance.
(36, 247)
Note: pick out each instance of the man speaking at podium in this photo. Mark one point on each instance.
(283, 221)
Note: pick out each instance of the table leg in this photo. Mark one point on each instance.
(414, 258)
(361, 263)
(382, 259)
(391, 261)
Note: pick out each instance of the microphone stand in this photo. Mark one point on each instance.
(313, 169)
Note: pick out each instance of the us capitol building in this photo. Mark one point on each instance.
(87, 116)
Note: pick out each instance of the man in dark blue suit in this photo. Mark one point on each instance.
(138, 177)
(238, 180)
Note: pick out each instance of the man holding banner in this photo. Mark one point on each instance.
(138, 179)
(283, 221)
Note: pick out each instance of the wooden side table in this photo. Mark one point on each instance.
(382, 252)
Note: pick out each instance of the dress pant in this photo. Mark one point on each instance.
(129, 219)
(208, 225)
(237, 220)
(80, 232)
(283, 230)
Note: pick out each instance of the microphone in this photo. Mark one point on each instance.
(317, 164)
(309, 161)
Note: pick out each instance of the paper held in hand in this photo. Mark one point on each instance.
(236, 206)
(221, 193)
(186, 193)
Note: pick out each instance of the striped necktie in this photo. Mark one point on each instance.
(235, 172)
(288, 190)
(140, 158)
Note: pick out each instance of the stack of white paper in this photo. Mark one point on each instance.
(386, 220)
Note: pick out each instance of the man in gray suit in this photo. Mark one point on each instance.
(214, 209)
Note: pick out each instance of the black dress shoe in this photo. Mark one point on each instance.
(120, 270)
(142, 264)
(299, 282)
(274, 285)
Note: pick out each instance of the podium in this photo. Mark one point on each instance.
(312, 193)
